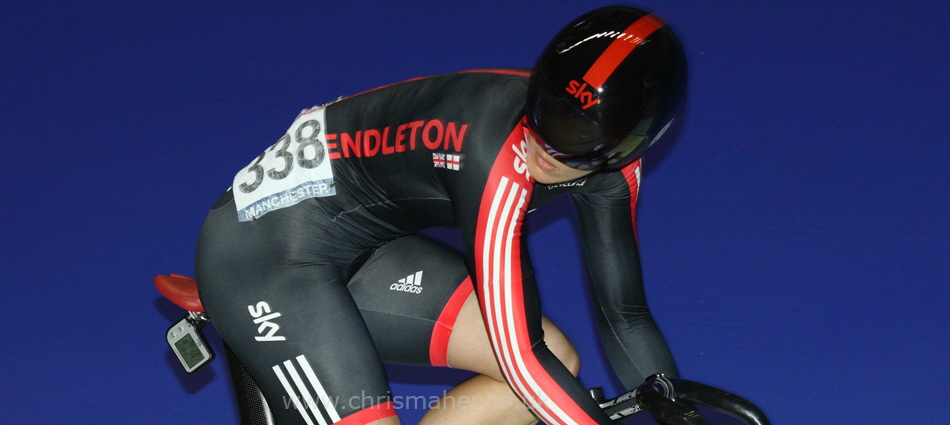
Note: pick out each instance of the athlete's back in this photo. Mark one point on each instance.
(401, 156)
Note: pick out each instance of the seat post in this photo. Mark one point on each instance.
(252, 406)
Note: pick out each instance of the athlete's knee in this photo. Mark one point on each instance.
(568, 357)
(561, 347)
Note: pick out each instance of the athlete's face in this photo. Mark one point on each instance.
(544, 168)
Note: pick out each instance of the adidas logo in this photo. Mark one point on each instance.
(411, 283)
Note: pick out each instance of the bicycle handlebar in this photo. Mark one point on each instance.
(663, 398)
(720, 400)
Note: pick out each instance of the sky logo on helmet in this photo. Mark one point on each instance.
(579, 90)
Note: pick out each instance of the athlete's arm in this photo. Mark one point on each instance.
(633, 342)
(509, 300)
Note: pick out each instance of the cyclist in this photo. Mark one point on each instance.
(310, 269)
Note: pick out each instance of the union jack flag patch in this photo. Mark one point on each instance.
(447, 161)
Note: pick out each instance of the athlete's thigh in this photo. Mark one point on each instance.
(418, 302)
(409, 292)
(293, 326)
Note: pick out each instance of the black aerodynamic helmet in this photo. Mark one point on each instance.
(606, 88)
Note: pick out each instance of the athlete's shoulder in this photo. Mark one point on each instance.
(494, 75)
(484, 80)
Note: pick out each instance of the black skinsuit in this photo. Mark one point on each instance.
(441, 151)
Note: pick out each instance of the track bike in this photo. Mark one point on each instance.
(669, 401)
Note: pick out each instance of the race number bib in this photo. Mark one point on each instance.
(293, 169)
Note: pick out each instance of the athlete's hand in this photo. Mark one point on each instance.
(656, 397)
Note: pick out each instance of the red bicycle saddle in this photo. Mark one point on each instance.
(181, 290)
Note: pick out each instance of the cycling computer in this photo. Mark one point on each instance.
(189, 345)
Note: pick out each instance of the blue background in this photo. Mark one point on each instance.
(794, 228)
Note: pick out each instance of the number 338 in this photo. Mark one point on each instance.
(297, 148)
